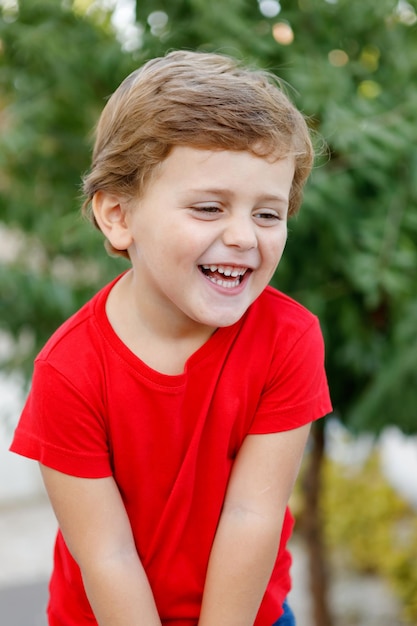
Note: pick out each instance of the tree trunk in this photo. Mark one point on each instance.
(313, 532)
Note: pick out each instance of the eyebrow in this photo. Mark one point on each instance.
(219, 191)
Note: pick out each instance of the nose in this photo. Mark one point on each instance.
(240, 233)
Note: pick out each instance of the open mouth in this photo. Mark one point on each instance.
(224, 275)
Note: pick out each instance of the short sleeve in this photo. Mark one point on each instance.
(62, 427)
(296, 392)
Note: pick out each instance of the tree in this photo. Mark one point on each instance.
(56, 69)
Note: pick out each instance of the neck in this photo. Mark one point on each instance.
(163, 343)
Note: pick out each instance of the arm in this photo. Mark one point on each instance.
(247, 540)
(96, 529)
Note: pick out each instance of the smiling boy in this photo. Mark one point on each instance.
(170, 414)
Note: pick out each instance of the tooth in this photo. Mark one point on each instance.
(224, 283)
(213, 268)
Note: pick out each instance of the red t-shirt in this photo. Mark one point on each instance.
(96, 410)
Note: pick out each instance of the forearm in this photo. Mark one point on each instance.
(241, 563)
(119, 592)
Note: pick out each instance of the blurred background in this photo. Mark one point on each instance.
(351, 67)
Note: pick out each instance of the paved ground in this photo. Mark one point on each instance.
(23, 605)
(26, 540)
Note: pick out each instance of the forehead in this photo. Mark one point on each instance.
(212, 157)
(187, 168)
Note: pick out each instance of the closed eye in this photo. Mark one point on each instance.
(207, 211)
(270, 217)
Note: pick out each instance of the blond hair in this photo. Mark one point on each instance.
(196, 99)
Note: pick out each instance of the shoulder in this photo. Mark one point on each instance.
(277, 335)
(295, 390)
(78, 336)
(282, 307)
(276, 317)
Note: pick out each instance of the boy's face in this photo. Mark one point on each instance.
(207, 235)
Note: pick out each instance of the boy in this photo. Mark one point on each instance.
(170, 414)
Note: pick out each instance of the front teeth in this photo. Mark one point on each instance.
(227, 270)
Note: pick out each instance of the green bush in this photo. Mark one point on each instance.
(367, 522)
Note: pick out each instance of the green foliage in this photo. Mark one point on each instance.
(55, 71)
(402, 574)
(352, 253)
(372, 527)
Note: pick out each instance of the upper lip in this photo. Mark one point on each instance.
(226, 269)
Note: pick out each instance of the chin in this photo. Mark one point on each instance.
(222, 321)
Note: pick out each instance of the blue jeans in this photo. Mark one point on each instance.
(287, 618)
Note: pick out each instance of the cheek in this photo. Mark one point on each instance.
(188, 244)
(274, 248)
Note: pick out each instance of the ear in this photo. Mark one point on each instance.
(110, 214)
